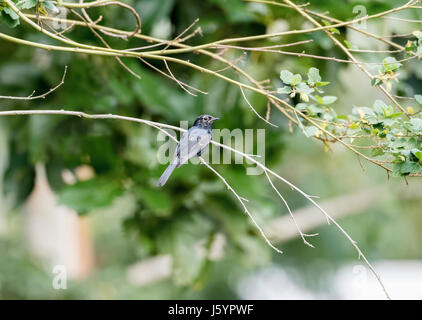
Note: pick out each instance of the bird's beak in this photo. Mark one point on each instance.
(213, 118)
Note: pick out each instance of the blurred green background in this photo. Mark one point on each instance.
(125, 220)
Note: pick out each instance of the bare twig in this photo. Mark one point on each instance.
(241, 200)
(102, 3)
(88, 22)
(302, 235)
(41, 96)
(177, 81)
(181, 34)
(170, 77)
(253, 109)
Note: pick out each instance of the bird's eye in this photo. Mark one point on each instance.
(206, 118)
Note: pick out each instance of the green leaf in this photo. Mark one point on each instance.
(9, 17)
(302, 87)
(390, 64)
(406, 168)
(334, 30)
(393, 115)
(311, 131)
(385, 110)
(322, 83)
(418, 98)
(313, 76)
(376, 81)
(411, 47)
(301, 106)
(415, 143)
(286, 76)
(329, 99)
(379, 106)
(418, 34)
(297, 78)
(284, 90)
(28, 4)
(50, 6)
(348, 44)
(12, 14)
(419, 51)
(416, 125)
(318, 99)
(367, 113)
(377, 152)
(364, 110)
(314, 109)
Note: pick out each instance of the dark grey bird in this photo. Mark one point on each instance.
(193, 143)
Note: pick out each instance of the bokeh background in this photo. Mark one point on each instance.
(81, 193)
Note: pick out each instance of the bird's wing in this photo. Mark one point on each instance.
(193, 141)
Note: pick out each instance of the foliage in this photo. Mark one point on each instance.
(390, 134)
(195, 205)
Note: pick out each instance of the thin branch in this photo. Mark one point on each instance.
(403, 20)
(177, 81)
(375, 51)
(313, 56)
(102, 3)
(169, 76)
(253, 109)
(89, 21)
(181, 34)
(241, 200)
(296, 43)
(41, 96)
(302, 235)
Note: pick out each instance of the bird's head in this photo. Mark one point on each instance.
(205, 121)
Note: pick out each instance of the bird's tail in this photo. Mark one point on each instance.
(166, 174)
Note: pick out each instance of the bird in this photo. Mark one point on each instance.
(192, 143)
